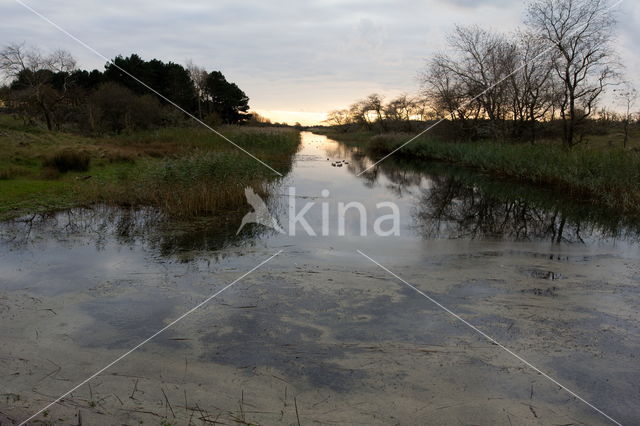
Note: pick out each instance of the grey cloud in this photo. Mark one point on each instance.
(286, 55)
(480, 3)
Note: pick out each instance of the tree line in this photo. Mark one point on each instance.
(49, 88)
(547, 76)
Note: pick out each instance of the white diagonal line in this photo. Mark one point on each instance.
(492, 340)
(465, 104)
(172, 323)
(85, 45)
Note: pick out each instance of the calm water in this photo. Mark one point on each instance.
(554, 279)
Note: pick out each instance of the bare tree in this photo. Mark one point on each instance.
(60, 61)
(581, 32)
(338, 117)
(472, 80)
(198, 76)
(359, 113)
(33, 73)
(424, 108)
(628, 97)
(445, 90)
(532, 85)
(374, 103)
(401, 110)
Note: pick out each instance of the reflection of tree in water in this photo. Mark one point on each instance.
(450, 208)
(403, 181)
(456, 203)
(99, 222)
(455, 208)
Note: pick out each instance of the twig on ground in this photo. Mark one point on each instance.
(168, 403)
(295, 402)
(135, 388)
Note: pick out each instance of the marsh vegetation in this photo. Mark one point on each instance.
(187, 171)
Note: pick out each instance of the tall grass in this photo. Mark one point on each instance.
(201, 183)
(208, 179)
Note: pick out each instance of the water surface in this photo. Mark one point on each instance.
(555, 280)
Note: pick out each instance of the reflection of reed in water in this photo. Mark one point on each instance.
(148, 227)
(455, 203)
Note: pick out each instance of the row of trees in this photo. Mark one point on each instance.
(504, 86)
(372, 113)
(50, 88)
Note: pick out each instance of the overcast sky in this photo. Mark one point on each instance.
(295, 60)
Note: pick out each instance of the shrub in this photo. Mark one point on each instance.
(385, 143)
(68, 160)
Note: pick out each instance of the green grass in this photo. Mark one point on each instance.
(608, 175)
(23, 196)
(187, 171)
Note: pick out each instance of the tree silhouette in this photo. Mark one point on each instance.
(226, 99)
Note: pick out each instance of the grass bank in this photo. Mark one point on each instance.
(186, 171)
(595, 173)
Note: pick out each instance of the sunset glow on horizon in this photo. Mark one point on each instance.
(293, 117)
